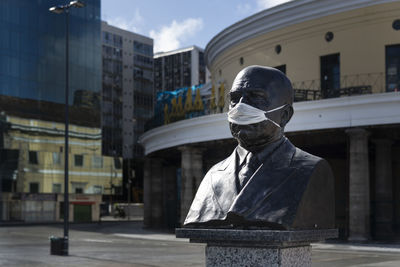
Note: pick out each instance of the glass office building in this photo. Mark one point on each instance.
(32, 49)
(32, 97)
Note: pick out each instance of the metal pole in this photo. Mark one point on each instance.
(129, 192)
(66, 183)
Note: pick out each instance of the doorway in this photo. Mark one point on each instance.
(330, 75)
(82, 213)
(392, 68)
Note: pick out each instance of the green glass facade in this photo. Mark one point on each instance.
(32, 50)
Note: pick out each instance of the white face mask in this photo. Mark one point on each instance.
(244, 114)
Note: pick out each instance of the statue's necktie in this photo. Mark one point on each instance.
(248, 169)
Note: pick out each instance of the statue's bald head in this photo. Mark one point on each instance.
(266, 89)
(273, 81)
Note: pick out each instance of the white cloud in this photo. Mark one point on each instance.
(133, 24)
(244, 9)
(170, 37)
(264, 4)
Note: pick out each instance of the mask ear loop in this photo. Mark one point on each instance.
(272, 110)
(275, 109)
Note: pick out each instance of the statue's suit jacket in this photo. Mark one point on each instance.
(291, 189)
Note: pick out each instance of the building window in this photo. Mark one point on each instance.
(33, 157)
(34, 188)
(396, 24)
(330, 75)
(142, 48)
(56, 158)
(117, 163)
(97, 162)
(392, 68)
(117, 40)
(143, 60)
(107, 38)
(329, 36)
(78, 188)
(78, 160)
(278, 49)
(97, 189)
(56, 188)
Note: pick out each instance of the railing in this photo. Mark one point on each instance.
(309, 90)
(306, 95)
(357, 84)
(375, 80)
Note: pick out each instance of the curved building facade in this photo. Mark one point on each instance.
(343, 58)
(326, 45)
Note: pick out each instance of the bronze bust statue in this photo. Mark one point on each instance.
(266, 182)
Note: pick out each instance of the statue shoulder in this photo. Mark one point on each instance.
(223, 164)
(307, 161)
(310, 163)
(205, 207)
(304, 158)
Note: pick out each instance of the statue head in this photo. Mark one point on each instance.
(256, 92)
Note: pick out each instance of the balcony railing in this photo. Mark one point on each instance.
(205, 100)
(357, 84)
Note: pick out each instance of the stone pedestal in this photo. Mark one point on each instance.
(228, 247)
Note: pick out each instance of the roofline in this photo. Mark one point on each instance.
(278, 17)
(126, 31)
(176, 51)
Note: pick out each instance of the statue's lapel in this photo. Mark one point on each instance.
(224, 183)
(266, 181)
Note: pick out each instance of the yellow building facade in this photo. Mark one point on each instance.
(40, 146)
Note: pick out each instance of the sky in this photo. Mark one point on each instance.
(174, 24)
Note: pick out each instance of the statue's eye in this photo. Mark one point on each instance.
(258, 95)
(235, 97)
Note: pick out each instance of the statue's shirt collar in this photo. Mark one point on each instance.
(261, 155)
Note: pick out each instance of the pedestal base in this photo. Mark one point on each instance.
(227, 247)
(250, 256)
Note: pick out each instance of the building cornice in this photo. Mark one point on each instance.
(343, 112)
(278, 17)
(177, 51)
(114, 29)
(54, 131)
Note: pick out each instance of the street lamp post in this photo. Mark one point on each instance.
(60, 246)
(129, 187)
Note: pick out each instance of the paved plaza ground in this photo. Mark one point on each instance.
(127, 244)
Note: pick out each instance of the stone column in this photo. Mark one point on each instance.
(383, 189)
(156, 193)
(359, 207)
(152, 196)
(147, 193)
(170, 197)
(192, 174)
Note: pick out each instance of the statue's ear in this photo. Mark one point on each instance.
(286, 114)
